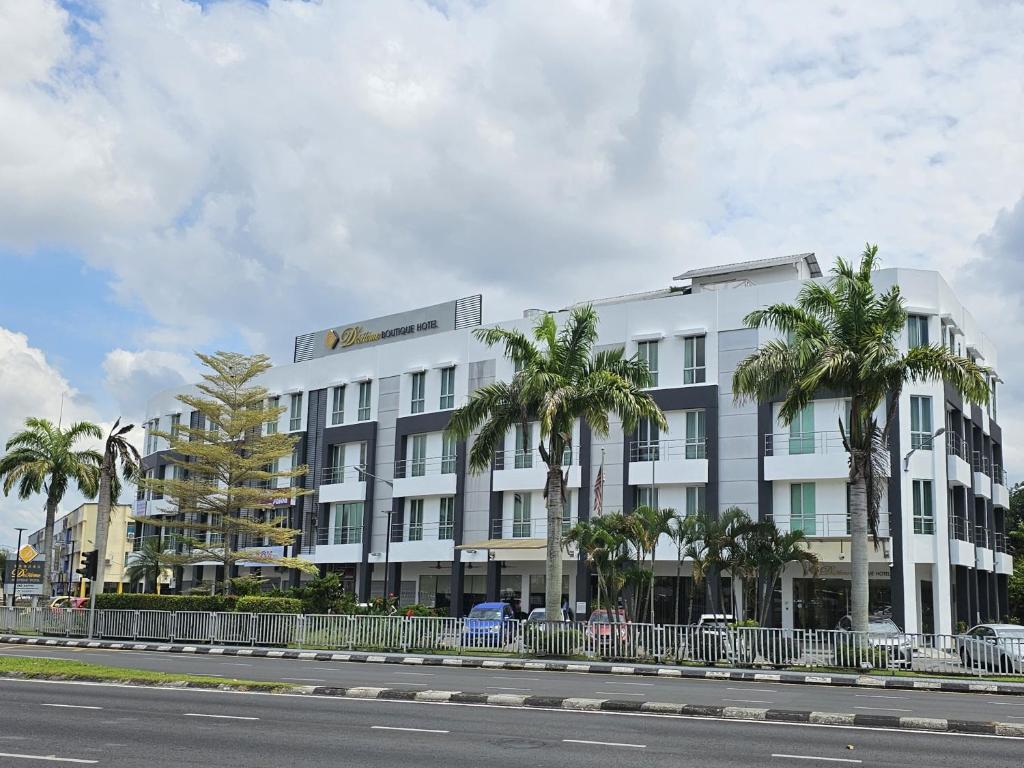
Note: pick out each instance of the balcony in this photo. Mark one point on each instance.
(421, 543)
(526, 471)
(1000, 487)
(982, 475)
(961, 542)
(661, 462)
(152, 507)
(984, 542)
(430, 476)
(805, 456)
(340, 483)
(337, 545)
(958, 468)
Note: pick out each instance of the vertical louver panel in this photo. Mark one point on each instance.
(469, 311)
(304, 346)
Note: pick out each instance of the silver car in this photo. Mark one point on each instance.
(996, 647)
(884, 634)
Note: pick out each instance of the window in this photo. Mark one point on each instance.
(338, 405)
(151, 439)
(521, 516)
(694, 369)
(924, 519)
(446, 521)
(917, 331)
(273, 403)
(647, 351)
(952, 341)
(448, 449)
(175, 424)
(517, 366)
(566, 517)
(295, 413)
(447, 388)
(648, 440)
(419, 386)
(801, 431)
(921, 422)
(296, 463)
(419, 455)
(567, 455)
(695, 499)
(362, 462)
(646, 496)
(348, 523)
(335, 472)
(415, 520)
(801, 508)
(695, 441)
(848, 487)
(365, 391)
(524, 451)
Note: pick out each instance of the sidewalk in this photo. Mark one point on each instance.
(965, 685)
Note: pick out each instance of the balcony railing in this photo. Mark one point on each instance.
(332, 474)
(999, 475)
(529, 459)
(980, 463)
(351, 534)
(982, 537)
(424, 531)
(955, 445)
(960, 529)
(427, 465)
(999, 542)
(803, 443)
(668, 450)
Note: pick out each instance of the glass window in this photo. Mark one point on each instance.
(175, 424)
(415, 520)
(801, 431)
(694, 368)
(335, 472)
(695, 439)
(338, 405)
(646, 496)
(566, 516)
(917, 331)
(524, 449)
(296, 462)
(695, 499)
(419, 455)
(801, 508)
(521, 516)
(921, 422)
(295, 413)
(273, 403)
(647, 351)
(446, 521)
(447, 388)
(348, 523)
(924, 519)
(648, 440)
(419, 388)
(448, 449)
(365, 391)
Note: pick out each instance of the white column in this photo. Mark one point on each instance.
(787, 599)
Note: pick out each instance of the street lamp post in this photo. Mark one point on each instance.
(927, 443)
(387, 534)
(17, 557)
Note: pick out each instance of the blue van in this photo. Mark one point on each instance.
(490, 624)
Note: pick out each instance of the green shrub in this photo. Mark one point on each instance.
(324, 594)
(140, 602)
(260, 604)
(243, 586)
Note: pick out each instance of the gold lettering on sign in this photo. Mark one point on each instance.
(356, 335)
(331, 339)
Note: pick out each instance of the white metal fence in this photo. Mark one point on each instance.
(964, 654)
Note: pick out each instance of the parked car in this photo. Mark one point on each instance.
(67, 601)
(884, 634)
(998, 647)
(711, 640)
(490, 624)
(538, 617)
(608, 632)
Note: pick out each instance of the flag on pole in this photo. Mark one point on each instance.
(599, 487)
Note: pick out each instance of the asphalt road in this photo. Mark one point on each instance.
(967, 706)
(81, 724)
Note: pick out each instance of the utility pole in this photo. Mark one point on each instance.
(387, 535)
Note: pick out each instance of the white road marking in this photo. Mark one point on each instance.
(413, 730)
(753, 690)
(1008, 704)
(503, 688)
(750, 701)
(416, 674)
(877, 696)
(824, 759)
(236, 664)
(515, 678)
(885, 709)
(645, 685)
(605, 743)
(70, 706)
(619, 693)
(50, 758)
(219, 717)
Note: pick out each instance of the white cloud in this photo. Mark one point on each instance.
(266, 170)
(133, 377)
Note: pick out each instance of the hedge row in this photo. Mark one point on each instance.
(259, 604)
(217, 603)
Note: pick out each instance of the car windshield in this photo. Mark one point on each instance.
(880, 626)
(485, 613)
(602, 617)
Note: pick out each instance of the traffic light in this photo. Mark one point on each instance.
(88, 569)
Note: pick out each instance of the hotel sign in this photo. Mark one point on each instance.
(356, 335)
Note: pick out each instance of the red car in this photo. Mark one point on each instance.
(608, 632)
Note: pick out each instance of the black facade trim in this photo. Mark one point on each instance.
(765, 488)
(895, 499)
(583, 511)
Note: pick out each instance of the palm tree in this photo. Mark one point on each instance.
(646, 525)
(597, 544)
(43, 459)
(843, 337)
(560, 380)
(716, 544)
(684, 535)
(765, 552)
(147, 563)
(117, 452)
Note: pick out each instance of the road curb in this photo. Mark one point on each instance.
(604, 668)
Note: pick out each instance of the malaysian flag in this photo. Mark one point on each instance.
(599, 488)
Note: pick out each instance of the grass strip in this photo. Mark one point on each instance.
(58, 669)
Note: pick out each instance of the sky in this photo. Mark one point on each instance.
(178, 175)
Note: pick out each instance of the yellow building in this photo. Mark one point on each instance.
(74, 533)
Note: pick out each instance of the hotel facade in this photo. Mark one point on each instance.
(392, 497)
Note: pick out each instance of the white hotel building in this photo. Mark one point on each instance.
(379, 394)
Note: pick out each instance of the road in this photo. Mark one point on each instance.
(966, 706)
(83, 724)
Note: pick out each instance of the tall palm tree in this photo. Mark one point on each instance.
(117, 453)
(560, 380)
(843, 337)
(43, 459)
(147, 563)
